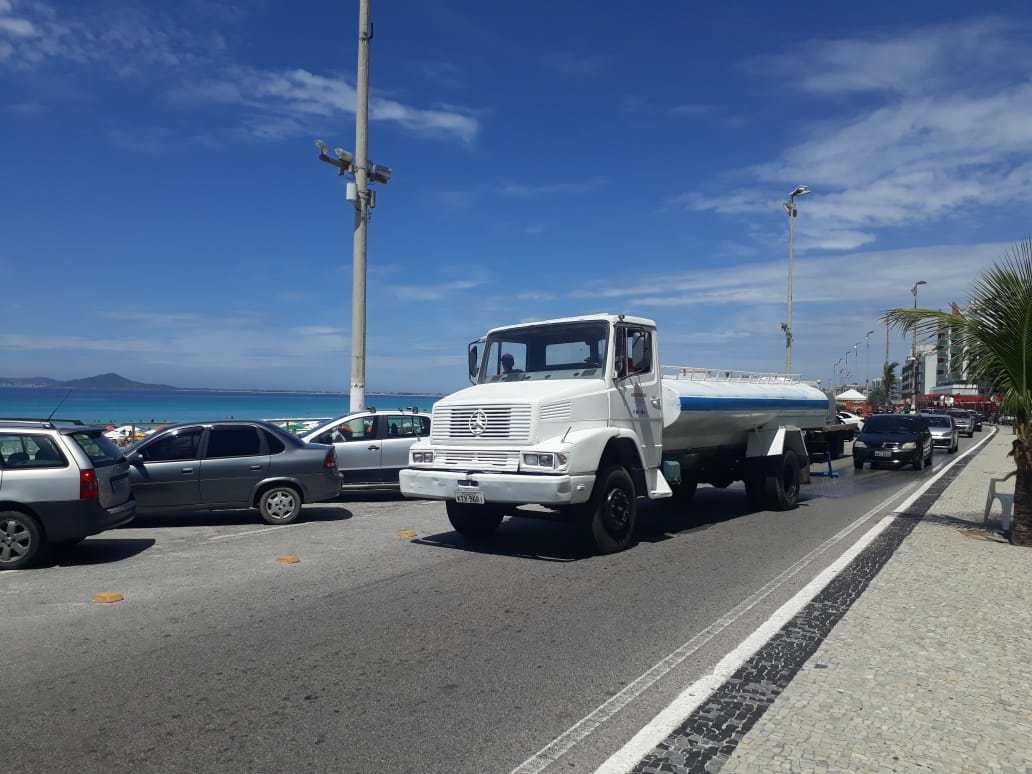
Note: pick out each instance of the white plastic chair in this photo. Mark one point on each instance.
(1006, 503)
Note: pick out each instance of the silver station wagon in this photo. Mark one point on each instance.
(60, 481)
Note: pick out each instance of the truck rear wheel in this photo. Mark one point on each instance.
(476, 522)
(782, 486)
(610, 518)
(684, 492)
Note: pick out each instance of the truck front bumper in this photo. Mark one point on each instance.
(514, 488)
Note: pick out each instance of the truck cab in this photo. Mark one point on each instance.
(550, 402)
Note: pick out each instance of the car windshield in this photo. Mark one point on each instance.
(961, 415)
(562, 351)
(97, 447)
(938, 421)
(890, 424)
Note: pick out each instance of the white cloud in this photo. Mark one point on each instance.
(569, 187)
(435, 292)
(575, 65)
(950, 131)
(875, 277)
(283, 100)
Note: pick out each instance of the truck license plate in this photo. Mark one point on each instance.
(883, 454)
(471, 495)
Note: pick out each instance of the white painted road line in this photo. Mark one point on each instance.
(257, 531)
(587, 725)
(663, 724)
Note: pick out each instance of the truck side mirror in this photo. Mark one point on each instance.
(473, 362)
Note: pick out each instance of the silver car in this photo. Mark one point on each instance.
(965, 424)
(216, 465)
(60, 481)
(372, 447)
(944, 431)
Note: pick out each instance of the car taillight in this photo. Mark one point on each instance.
(330, 460)
(89, 488)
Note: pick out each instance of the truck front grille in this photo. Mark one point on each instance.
(477, 459)
(481, 423)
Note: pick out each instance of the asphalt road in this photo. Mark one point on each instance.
(393, 645)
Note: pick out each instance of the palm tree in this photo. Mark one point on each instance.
(997, 338)
(888, 380)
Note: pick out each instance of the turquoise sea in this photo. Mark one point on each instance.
(96, 406)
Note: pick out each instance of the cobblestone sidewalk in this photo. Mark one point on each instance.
(929, 671)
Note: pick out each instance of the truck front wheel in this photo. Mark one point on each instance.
(476, 522)
(610, 517)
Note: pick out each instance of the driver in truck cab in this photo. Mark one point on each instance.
(508, 361)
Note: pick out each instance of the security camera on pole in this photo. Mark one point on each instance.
(790, 209)
(364, 172)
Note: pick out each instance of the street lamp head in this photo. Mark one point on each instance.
(913, 290)
(321, 146)
(800, 190)
(868, 333)
(343, 155)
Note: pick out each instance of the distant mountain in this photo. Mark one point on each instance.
(108, 382)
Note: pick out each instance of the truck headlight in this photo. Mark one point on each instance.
(908, 446)
(422, 457)
(551, 461)
(859, 445)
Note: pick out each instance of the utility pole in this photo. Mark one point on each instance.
(867, 362)
(358, 251)
(364, 200)
(790, 209)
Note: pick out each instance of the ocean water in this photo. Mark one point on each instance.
(96, 406)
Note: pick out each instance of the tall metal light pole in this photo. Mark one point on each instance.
(790, 209)
(913, 349)
(364, 200)
(867, 362)
(358, 249)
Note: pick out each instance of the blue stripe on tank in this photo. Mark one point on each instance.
(695, 403)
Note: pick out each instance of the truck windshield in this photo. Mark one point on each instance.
(563, 351)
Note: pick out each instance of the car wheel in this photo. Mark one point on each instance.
(21, 540)
(610, 519)
(280, 505)
(476, 522)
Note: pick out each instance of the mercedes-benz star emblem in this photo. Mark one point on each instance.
(478, 422)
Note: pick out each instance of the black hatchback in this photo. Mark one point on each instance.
(894, 439)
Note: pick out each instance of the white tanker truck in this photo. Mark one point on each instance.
(578, 415)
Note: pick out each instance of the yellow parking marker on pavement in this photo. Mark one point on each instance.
(107, 597)
(287, 559)
(408, 533)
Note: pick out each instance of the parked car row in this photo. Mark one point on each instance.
(62, 481)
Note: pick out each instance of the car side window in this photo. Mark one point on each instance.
(274, 444)
(400, 426)
(233, 441)
(24, 452)
(357, 429)
(173, 447)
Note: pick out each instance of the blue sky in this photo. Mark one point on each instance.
(163, 215)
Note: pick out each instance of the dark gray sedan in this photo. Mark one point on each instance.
(215, 465)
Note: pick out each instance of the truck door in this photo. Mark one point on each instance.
(637, 403)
